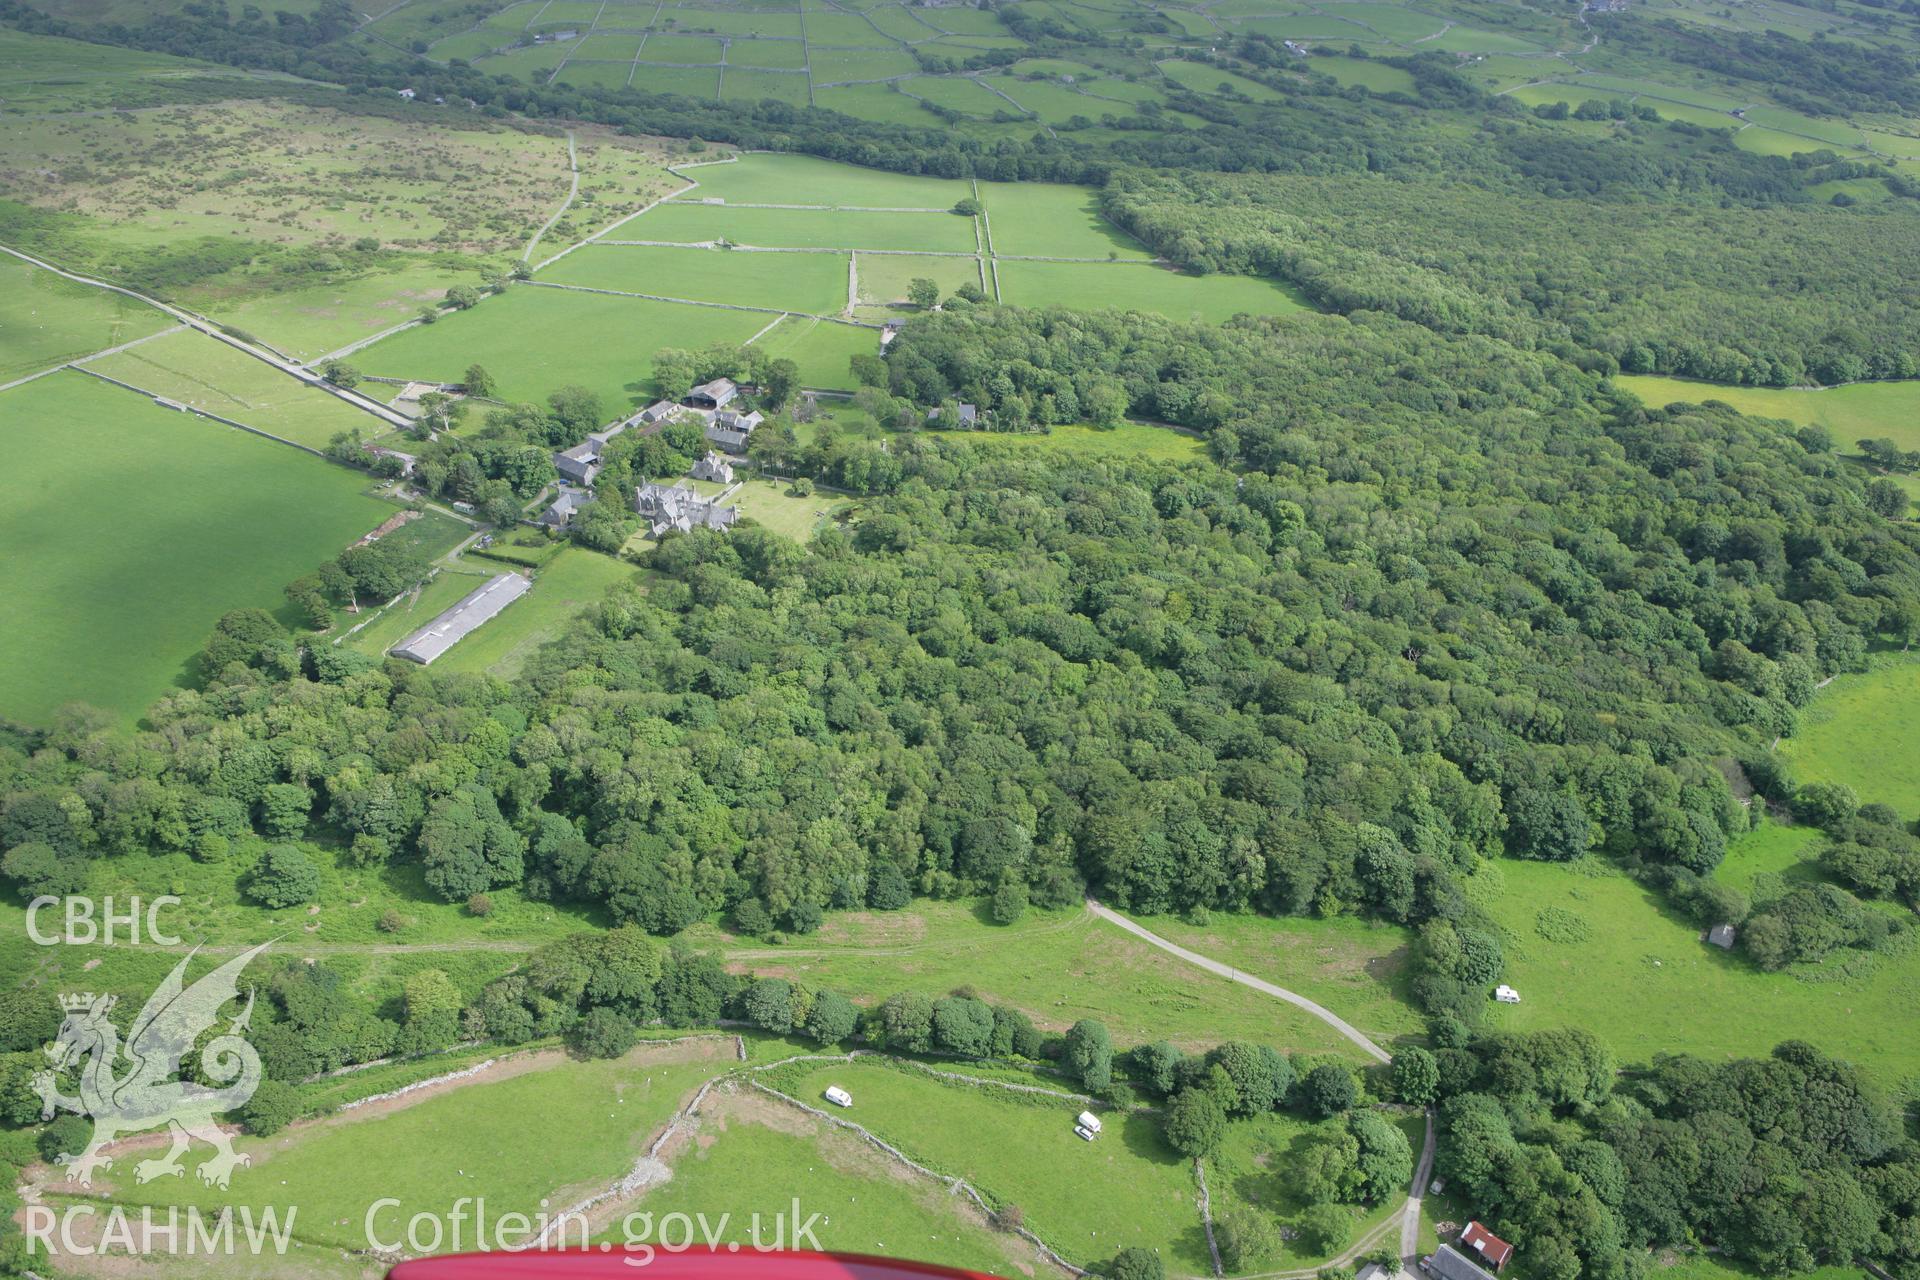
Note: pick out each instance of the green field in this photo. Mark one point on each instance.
(1202, 77)
(1057, 966)
(1377, 76)
(768, 502)
(208, 374)
(204, 519)
(815, 283)
(570, 582)
(1864, 410)
(884, 276)
(682, 223)
(1645, 982)
(1848, 735)
(755, 1154)
(375, 634)
(593, 1119)
(1174, 294)
(1356, 967)
(1087, 1200)
(530, 340)
(1044, 219)
(46, 320)
(822, 349)
(310, 322)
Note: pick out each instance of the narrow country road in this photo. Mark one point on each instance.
(1294, 998)
(1410, 1216)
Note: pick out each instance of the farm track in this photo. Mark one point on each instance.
(573, 191)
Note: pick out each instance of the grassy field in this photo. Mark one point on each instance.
(1058, 966)
(1173, 294)
(1087, 1200)
(204, 519)
(571, 581)
(1863, 410)
(315, 320)
(46, 320)
(1645, 982)
(207, 374)
(822, 349)
(530, 340)
(1376, 76)
(51, 73)
(1845, 735)
(1048, 220)
(884, 277)
(553, 1134)
(1355, 967)
(755, 1155)
(680, 222)
(809, 282)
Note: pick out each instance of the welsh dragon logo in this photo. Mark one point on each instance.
(147, 1095)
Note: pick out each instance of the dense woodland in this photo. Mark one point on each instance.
(1803, 293)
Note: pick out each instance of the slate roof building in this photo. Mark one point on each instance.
(474, 608)
(1448, 1263)
(965, 417)
(1721, 936)
(669, 507)
(578, 465)
(560, 512)
(714, 467)
(717, 394)
(731, 430)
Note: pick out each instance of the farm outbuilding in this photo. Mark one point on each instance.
(1448, 1263)
(1721, 936)
(474, 608)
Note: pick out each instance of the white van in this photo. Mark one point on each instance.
(1088, 1122)
(839, 1097)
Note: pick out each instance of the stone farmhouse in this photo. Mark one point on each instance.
(714, 467)
(731, 430)
(666, 507)
(560, 512)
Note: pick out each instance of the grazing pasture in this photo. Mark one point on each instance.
(809, 282)
(1862, 410)
(594, 1119)
(822, 349)
(1645, 981)
(206, 374)
(46, 320)
(755, 1152)
(1087, 1200)
(310, 321)
(884, 277)
(205, 519)
(795, 179)
(1849, 733)
(1044, 219)
(1058, 966)
(681, 222)
(535, 341)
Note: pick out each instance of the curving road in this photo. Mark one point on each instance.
(1423, 1170)
(1232, 974)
